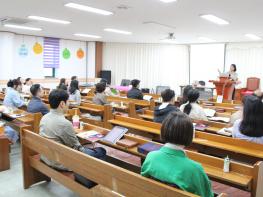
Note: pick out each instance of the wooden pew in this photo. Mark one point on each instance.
(246, 177)
(239, 149)
(103, 110)
(116, 179)
(4, 153)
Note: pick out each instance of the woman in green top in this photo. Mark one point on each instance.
(170, 164)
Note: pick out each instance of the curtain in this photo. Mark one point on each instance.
(249, 60)
(153, 64)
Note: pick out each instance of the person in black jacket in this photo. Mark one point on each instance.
(135, 92)
(160, 112)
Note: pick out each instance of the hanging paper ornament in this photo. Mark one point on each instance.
(23, 51)
(37, 48)
(80, 53)
(66, 53)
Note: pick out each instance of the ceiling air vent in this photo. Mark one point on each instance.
(15, 21)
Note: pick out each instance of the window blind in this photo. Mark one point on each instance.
(51, 52)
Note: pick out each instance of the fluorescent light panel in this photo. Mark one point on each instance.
(168, 1)
(23, 27)
(205, 39)
(88, 9)
(86, 35)
(40, 18)
(253, 37)
(118, 31)
(214, 19)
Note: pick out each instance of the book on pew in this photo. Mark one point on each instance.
(208, 104)
(220, 119)
(115, 134)
(220, 110)
(148, 147)
(209, 112)
(92, 136)
(127, 143)
(86, 91)
(147, 97)
(200, 127)
(225, 131)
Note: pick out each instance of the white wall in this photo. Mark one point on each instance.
(153, 64)
(13, 65)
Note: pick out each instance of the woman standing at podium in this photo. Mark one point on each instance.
(232, 75)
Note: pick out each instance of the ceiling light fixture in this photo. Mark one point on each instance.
(22, 27)
(118, 31)
(214, 19)
(40, 18)
(86, 35)
(88, 9)
(168, 1)
(205, 39)
(253, 37)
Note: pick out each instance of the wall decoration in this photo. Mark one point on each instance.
(66, 53)
(37, 48)
(80, 53)
(23, 50)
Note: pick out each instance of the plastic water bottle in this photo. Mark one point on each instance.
(75, 120)
(226, 164)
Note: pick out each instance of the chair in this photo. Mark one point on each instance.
(202, 83)
(159, 89)
(252, 85)
(125, 82)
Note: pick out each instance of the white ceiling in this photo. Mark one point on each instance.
(245, 16)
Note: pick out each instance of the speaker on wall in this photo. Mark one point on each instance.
(106, 74)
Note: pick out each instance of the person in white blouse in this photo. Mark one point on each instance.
(192, 108)
(74, 93)
(27, 85)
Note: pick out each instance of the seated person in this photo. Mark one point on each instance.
(12, 97)
(108, 91)
(166, 107)
(250, 127)
(100, 97)
(135, 92)
(63, 84)
(56, 127)
(170, 164)
(27, 85)
(74, 93)
(192, 108)
(36, 105)
(185, 93)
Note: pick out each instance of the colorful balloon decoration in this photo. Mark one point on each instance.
(80, 53)
(66, 53)
(37, 48)
(23, 51)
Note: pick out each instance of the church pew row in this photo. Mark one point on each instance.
(246, 177)
(204, 142)
(4, 153)
(112, 180)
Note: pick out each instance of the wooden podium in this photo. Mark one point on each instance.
(224, 87)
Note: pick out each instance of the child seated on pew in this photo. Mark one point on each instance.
(55, 126)
(160, 112)
(170, 164)
(192, 108)
(100, 97)
(74, 93)
(250, 127)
